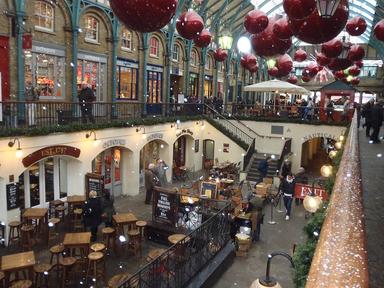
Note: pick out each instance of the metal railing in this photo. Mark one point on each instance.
(340, 259)
(248, 156)
(176, 267)
(284, 152)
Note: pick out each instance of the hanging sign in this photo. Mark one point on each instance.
(13, 196)
(302, 190)
(49, 152)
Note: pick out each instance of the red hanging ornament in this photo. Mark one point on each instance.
(267, 44)
(282, 29)
(332, 48)
(299, 9)
(189, 25)
(339, 74)
(300, 55)
(354, 70)
(254, 68)
(220, 55)
(284, 64)
(379, 30)
(356, 26)
(312, 69)
(145, 15)
(359, 63)
(356, 53)
(355, 81)
(322, 60)
(255, 21)
(203, 39)
(292, 79)
(339, 64)
(273, 71)
(315, 29)
(305, 78)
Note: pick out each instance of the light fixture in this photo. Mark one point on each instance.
(225, 39)
(312, 202)
(341, 138)
(19, 152)
(244, 45)
(326, 170)
(271, 62)
(269, 281)
(89, 135)
(338, 145)
(141, 128)
(332, 154)
(327, 8)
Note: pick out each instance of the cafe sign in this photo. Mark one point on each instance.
(155, 136)
(114, 142)
(319, 135)
(302, 190)
(49, 152)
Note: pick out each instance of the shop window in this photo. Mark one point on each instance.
(176, 52)
(154, 45)
(44, 16)
(368, 71)
(92, 73)
(222, 67)
(34, 185)
(63, 178)
(91, 29)
(126, 40)
(208, 87)
(49, 180)
(208, 63)
(126, 83)
(193, 58)
(154, 87)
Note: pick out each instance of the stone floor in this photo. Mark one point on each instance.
(372, 168)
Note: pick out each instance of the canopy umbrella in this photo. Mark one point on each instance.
(276, 86)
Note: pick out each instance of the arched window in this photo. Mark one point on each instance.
(154, 44)
(176, 52)
(194, 59)
(208, 63)
(91, 29)
(126, 40)
(44, 16)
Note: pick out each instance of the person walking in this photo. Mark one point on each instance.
(328, 107)
(161, 170)
(346, 107)
(308, 114)
(92, 214)
(86, 97)
(149, 182)
(108, 208)
(376, 121)
(367, 114)
(263, 168)
(288, 189)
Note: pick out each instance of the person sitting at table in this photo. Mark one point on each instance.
(92, 214)
(108, 208)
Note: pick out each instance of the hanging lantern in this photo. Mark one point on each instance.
(326, 170)
(312, 203)
(255, 21)
(327, 8)
(225, 40)
(332, 154)
(220, 55)
(356, 53)
(378, 30)
(338, 145)
(341, 138)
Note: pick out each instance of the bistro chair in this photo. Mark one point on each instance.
(14, 232)
(52, 228)
(77, 221)
(27, 237)
(67, 263)
(52, 207)
(141, 226)
(134, 241)
(42, 274)
(56, 251)
(22, 284)
(109, 237)
(60, 212)
(2, 278)
(96, 267)
(98, 247)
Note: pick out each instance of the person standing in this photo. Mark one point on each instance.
(108, 208)
(346, 107)
(149, 182)
(308, 114)
(367, 114)
(288, 189)
(92, 214)
(376, 121)
(328, 107)
(263, 168)
(31, 96)
(86, 97)
(161, 170)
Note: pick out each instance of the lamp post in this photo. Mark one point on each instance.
(327, 8)
(269, 281)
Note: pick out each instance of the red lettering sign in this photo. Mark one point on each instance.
(49, 152)
(301, 190)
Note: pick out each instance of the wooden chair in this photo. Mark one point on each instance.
(42, 274)
(52, 207)
(98, 247)
(134, 241)
(60, 213)
(77, 221)
(52, 228)
(96, 267)
(27, 237)
(56, 251)
(141, 226)
(109, 237)
(14, 232)
(67, 263)
(22, 284)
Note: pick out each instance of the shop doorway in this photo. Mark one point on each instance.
(208, 153)
(176, 86)
(183, 156)
(314, 154)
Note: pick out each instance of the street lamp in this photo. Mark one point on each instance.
(327, 8)
(269, 281)
(225, 39)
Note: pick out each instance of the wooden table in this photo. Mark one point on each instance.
(17, 262)
(41, 217)
(174, 238)
(81, 241)
(154, 253)
(120, 220)
(75, 201)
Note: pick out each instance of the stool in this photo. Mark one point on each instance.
(42, 274)
(77, 223)
(95, 259)
(109, 237)
(97, 247)
(52, 207)
(118, 280)
(52, 228)
(22, 284)
(141, 226)
(60, 212)
(134, 241)
(67, 263)
(55, 252)
(27, 236)
(2, 277)
(14, 232)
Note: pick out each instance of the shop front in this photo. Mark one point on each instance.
(193, 85)
(208, 91)
(208, 153)
(176, 82)
(155, 87)
(126, 80)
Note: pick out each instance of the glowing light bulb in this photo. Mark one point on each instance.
(326, 170)
(19, 153)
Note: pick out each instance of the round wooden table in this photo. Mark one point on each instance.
(174, 238)
(118, 280)
(154, 253)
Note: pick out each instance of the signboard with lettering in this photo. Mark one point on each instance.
(197, 145)
(209, 189)
(165, 206)
(318, 135)
(301, 190)
(49, 152)
(94, 182)
(155, 136)
(114, 142)
(13, 196)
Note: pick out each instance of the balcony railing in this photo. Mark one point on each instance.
(340, 258)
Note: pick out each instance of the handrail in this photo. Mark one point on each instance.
(284, 152)
(248, 156)
(340, 258)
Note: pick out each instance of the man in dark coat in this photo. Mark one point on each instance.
(150, 180)
(288, 189)
(367, 114)
(376, 121)
(86, 97)
(92, 214)
(263, 168)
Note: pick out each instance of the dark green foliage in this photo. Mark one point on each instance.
(302, 260)
(289, 120)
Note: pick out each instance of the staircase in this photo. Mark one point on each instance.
(253, 174)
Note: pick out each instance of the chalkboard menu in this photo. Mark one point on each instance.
(209, 189)
(165, 206)
(94, 182)
(13, 196)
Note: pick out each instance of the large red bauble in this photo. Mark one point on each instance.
(315, 29)
(145, 15)
(356, 26)
(339, 74)
(379, 30)
(356, 53)
(284, 64)
(359, 64)
(189, 25)
(339, 64)
(332, 48)
(299, 9)
(312, 69)
(248, 60)
(322, 60)
(355, 81)
(273, 71)
(220, 55)
(282, 29)
(267, 44)
(292, 79)
(203, 39)
(354, 70)
(305, 73)
(254, 68)
(255, 21)
(300, 55)
(305, 78)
